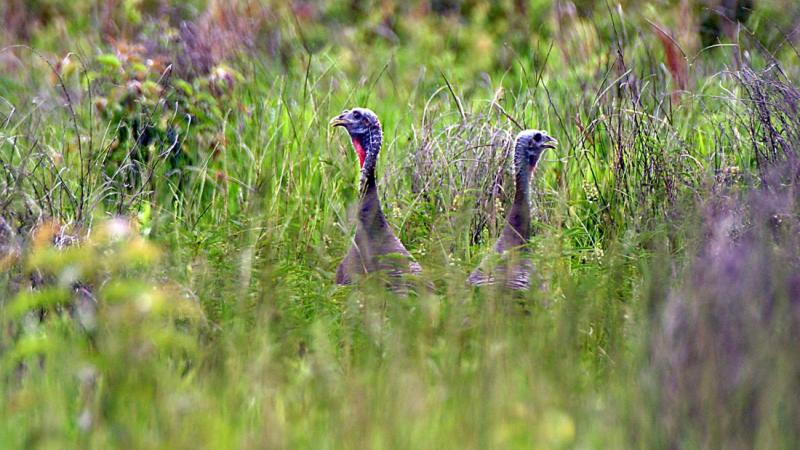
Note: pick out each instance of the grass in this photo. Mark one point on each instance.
(212, 208)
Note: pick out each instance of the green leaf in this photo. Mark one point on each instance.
(43, 298)
(109, 61)
(184, 86)
(138, 67)
(33, 345)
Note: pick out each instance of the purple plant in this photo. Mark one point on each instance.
(725, 349)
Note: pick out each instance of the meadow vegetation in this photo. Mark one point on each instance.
(174, 204)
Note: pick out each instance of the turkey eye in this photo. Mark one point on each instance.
(357, 115)
(537, 137)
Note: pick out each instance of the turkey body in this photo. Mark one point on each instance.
(375, 247)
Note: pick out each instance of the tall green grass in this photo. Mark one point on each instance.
(218, 324)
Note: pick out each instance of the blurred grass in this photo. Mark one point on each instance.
(233, 334)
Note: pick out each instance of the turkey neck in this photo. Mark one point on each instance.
(370, 214)
(518, 227)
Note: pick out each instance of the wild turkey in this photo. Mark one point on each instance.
(375, 248)
(511, 264)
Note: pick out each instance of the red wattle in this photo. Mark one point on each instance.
(362, 154)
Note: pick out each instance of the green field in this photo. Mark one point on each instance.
(174, 163)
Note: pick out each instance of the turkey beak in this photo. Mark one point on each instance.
(550, 142)
(338, 121)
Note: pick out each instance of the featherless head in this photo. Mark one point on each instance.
(357, 120)
(364, 128)
(529, 146)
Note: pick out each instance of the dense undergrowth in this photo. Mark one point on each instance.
(174, 206)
